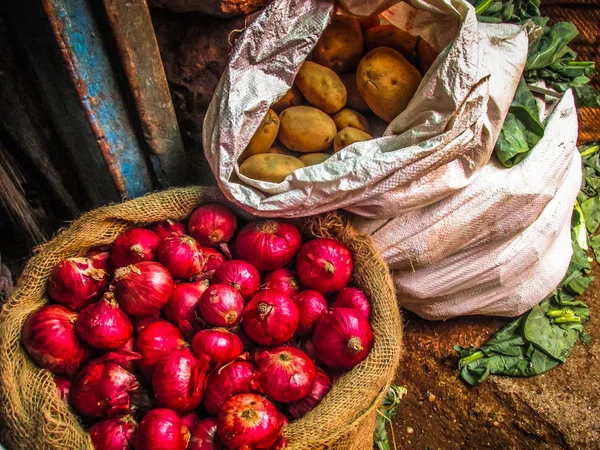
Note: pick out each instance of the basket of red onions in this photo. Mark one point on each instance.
(175, 322)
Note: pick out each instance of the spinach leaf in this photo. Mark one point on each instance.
(551, 46)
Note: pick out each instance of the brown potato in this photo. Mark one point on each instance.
(264, 137)
(390, 36)
(321, 87)
(312, 159)
(341, 45)
(306, 129)
(349, 136)
(369, 22)
(293, 97)
(387, 82)
(354, 99)
(350, 118)
(426, 55)
(270, 167)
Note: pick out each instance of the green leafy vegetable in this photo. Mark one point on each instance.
(386, 412)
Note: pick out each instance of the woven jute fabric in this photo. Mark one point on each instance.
(32, 416)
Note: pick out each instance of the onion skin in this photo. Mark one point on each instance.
(212, 260)
(282, 280)
(286, 374)
(156, 341)
(114, 434)
(63, 387)
(343, 338)
(179, 379)
(100, 258)
(181, 255)
(50, 338)
(311, 307)
(233, 379)
(104, 325)
(239, 274)
(181, 307)
(270, 318)
(212, 224)
(268, 245)
(221, 306)
(219, 344)
(204, 436)
(321, 386)
(143, 289)
(76, 283)
(354, 299)
(248, 422)
(324, 265)
(161, 429)
(133, 246)
(102, 389)
(167, 227)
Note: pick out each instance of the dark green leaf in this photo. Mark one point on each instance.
(586, 95)
(591, 212)
(595, 244)
(551, 46)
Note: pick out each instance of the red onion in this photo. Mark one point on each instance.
(123, 357)
(156, 341)
(285, 373)
(220, 345)
(100, 258)
(139, 323)
(181, 307)
(212, 260)
(161, 429)
(324, 265)
(319, 389)
(354, 299)
(268, 245)
(167, 227)
(104, 325)
(102, 388)
(212, 224)
(133, 246)
(221, 306)
(50, 338)
(75, 282)
(63, 387)
(342, 338)
(282, 280)
(248, 421)
(239, 377)
(178, 380)
(241, 275)
(190, 420)
(181, 255)
(143, 288)
(311, 306)
(270, 318)
(114, 434)
(204, 436)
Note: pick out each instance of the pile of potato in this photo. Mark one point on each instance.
(359, 77)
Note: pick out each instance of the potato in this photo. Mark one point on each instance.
(264, 136)
(312, 159)
(341, 45)
(349, 136)
(321, 87)
(426, 55)
(368, 22)
(306, 129)
(387, 82)
(354, 100)
(270, 167)
(293, 97)
(390, 36)
(350, 118)
(278, 149)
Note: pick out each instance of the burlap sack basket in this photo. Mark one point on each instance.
(32, 416)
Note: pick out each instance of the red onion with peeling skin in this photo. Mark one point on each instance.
(122, 356)
(221, 306)
(63, 387)
(167, 227)
(100, 258)
(143, 289)
(204, 436)
(311, 307)
(156, 341)
(161, 429)
(190, 420)
(76, 283)
(133, 246)
(320, 388)
(282, 280)
(50, 338)
(219, 344)
(181, 255)
(212, 224)
(342, 338)
(104, 325)
(239, 377)
(270, 318)
(354, 299)
(213, 260)
(114, 434)
(239, 274)
(286, 374)
(269, 244)
(324, 265)
(181, 307)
